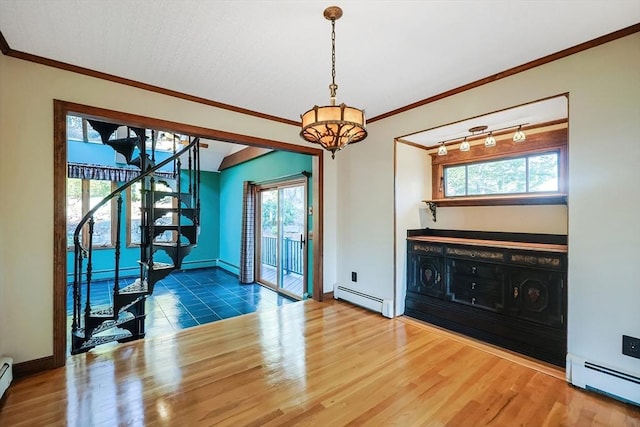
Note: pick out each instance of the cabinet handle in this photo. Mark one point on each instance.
(473, 285)
(474, 269)
(473, 300)
(515, 292)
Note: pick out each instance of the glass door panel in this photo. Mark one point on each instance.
(282, 239)
(269, 237)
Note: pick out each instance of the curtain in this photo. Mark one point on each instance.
(248, 244)
(108, 173)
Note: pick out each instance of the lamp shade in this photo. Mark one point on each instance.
(333, 126)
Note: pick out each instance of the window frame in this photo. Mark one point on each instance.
(553, 140)
(85, 201)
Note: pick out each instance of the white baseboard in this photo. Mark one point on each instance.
(598, 377)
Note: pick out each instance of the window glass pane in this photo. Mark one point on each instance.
(543, 172)
(98, 190)
(455, 181)
(134, 212)
(501, 177)
(74, 207)
(74, 128)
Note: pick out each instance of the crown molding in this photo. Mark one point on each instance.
(4, 47)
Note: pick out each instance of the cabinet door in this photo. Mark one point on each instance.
(538, 296)
(425, 275)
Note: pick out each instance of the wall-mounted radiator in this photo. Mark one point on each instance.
(371, 302)
(6, 374)
(601, 379)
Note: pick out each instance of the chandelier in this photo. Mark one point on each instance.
(333, 126)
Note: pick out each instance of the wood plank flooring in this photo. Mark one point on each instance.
(308, 363)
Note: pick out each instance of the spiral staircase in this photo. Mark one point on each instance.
(124, 319)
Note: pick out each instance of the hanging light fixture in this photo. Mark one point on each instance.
(333, 126)
(442, 150)
(465, 145)
(490, 141)
(519, 136)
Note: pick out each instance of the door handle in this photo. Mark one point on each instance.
(302, 239)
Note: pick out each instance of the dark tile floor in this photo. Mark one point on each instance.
(191, 298)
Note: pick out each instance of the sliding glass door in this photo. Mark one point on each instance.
(282, 237)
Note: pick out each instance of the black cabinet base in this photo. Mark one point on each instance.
(546, 344)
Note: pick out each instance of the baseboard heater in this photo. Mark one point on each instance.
(6, 374)
(383, 306)
(602, 379)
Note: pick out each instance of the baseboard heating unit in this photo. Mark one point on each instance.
(6, 374)
(383, 306)
(601, 379)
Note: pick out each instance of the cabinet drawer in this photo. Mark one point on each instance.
(470, 252)
(476, 269)
(545, 260)
(425, 248)
(476, 285)
(480, 300)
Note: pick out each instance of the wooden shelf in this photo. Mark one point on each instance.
(505, 244)
(528, 199)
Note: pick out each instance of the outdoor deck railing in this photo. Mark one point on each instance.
(292, 261)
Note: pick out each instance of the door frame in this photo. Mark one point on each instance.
(60, 111)
(285, 182)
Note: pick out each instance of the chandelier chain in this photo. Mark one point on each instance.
(333, 51)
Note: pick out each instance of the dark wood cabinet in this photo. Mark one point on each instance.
(508, 289)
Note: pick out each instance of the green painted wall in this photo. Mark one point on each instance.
(270, 166)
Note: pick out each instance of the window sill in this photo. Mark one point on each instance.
(526, 199)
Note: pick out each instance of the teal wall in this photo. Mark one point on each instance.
(204, 255)
(270, 166)
(220, 217)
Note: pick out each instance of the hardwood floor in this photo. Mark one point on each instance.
(308, 363)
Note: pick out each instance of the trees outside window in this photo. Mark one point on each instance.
(82, 196)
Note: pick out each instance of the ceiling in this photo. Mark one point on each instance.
(274, 57)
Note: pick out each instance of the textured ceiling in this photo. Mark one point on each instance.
(273, 57)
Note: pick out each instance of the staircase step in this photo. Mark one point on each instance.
(188, 231)
(157, 272)
(137, 287)
(82, 344)
(160, 212)
(124, 146)
(123, 317)
(159, 195)
(176, 251)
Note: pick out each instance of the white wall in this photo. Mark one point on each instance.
(604, 191)
(27, 91)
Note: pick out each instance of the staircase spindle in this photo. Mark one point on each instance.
(189, 164)
(77, 276)
(197, 192)
(116, 279)
(87, 307)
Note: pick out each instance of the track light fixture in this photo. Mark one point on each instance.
(518, 137)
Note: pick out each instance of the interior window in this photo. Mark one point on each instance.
(519, 175)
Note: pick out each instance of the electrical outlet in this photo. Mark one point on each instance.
(354, 276)
(631, 346)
